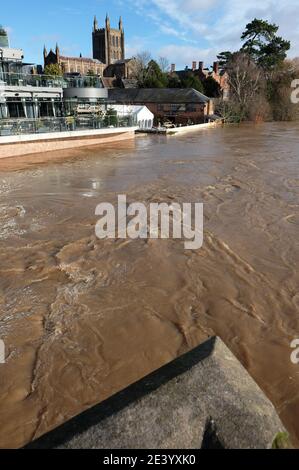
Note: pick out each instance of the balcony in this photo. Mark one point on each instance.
(47, 81)
(9, 127)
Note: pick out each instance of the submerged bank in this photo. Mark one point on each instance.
(83, 318)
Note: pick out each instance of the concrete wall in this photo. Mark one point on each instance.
(11, 146)
(195, 127)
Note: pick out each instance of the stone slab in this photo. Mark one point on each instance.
(204, 399)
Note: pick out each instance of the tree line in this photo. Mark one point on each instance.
(150, 73)
(259, 76)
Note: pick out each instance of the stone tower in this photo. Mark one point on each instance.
(108, 44)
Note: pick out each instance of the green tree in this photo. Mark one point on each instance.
(155, 78)
(212, 88)
(191, 81)
(174, 81)
(263, 45)
(223, 58)
(53, 70)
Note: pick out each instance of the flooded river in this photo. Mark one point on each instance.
(82, 318)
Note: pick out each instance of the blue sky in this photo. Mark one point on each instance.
(181, 30)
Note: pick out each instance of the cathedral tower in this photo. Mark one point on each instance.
(108, 43)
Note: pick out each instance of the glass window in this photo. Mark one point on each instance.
(30, 110)
(15, 109)
(3, 111)
(46, 109)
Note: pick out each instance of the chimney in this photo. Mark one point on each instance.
(194, 65)
(216, 67)
(172, 68)
(200, 66)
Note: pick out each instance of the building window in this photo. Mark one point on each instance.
(46, 109)
(16, 109)
(3, 111)
(30, 110)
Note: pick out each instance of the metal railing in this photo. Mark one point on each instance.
(43, 125)
(20, 79)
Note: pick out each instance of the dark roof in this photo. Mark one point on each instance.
(81, 59)
(157, 95)
(108, 82)
(129, 83)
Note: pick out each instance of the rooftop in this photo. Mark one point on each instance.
(83, 59)
(157, 95)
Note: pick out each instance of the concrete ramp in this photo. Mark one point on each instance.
(204, 399)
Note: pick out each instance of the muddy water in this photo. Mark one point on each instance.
(83, 318)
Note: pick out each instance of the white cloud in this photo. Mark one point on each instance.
(216, 25)
(185, 55)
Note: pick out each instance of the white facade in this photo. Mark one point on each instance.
(144, 117)
(29, 101)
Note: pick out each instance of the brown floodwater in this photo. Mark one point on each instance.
(82, 318)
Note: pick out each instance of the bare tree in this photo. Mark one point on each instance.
(139, 66)
(244, 78)
(247, 89)
(164, 64)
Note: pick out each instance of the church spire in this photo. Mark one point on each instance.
(57, 51)
(95, 23)
(120, 24)
(45, 52)
(107, 21)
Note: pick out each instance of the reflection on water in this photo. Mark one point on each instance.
(82, 318)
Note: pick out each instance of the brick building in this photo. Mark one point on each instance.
(178, 105)
(202, 73)
(80, 65)
(108, 54)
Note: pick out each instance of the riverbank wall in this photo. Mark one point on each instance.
(204, 399)
(179, 130)
(25, 144)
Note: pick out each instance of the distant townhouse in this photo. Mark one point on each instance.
(199, 71)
